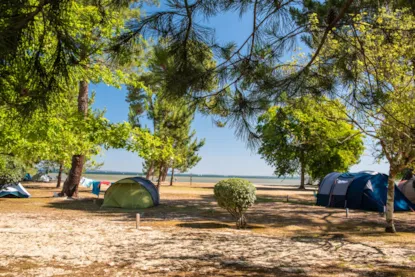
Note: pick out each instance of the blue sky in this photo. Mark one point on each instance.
(223, 153)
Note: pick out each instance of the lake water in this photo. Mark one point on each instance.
(198, 179)
(205, 179)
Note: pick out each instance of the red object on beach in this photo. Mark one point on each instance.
(105, 183)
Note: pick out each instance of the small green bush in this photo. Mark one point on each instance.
(236, 196)
(11, 170)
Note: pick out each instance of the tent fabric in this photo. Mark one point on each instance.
(15, 191)
(39, 177)
(131, 193)
(408, 189)
(325, 188)
(27, 177)
(337, 197)
(327, 183)
(362, 190)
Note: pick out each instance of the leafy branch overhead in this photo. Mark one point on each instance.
(250, 76)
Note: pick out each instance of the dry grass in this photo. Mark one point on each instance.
(188, 235)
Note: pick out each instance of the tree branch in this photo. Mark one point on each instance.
(327, 31)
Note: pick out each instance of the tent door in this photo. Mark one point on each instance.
(339, 191)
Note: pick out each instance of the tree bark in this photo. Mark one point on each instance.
(160, 175)
(241, 222)
(150, 171)
(390, 226)
(165, 171)
(58, 185)
(302, 182)
(172, 176)
(70, 187)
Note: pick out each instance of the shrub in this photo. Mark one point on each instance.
(236, 196)
(11, 170)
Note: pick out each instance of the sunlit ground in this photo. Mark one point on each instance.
(188, 235)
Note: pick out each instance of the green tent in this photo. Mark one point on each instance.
(131, 193)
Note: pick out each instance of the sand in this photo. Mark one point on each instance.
(187, 235)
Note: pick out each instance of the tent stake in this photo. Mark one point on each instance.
(347, 212)
(287, 197)
(137, 221)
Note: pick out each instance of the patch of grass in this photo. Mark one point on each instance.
(264, 200)
(283, 199)
(203, 225)
(378, 234)
(412, 258)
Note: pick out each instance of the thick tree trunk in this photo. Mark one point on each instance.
(172, 176)
(70, 187)
(58, 185)
(150, 171)
(302, 182)
(390, 226)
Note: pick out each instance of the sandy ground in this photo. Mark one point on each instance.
(188, 235)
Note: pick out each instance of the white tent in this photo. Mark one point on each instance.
(408, 189)
(14, 190)
(39, 177)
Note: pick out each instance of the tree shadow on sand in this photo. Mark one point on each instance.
(314, 227)
(203, 225)
(273, 212)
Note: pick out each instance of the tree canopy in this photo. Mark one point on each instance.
(308, 136)
(45, 43)
(372, 60)
(171, 118)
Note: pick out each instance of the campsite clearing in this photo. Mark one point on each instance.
(188, 235)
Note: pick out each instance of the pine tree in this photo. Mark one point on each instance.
(171, 118)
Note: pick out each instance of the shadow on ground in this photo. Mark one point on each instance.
(203, 225)
(273, 212)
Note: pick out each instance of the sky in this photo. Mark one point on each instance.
(223, 153)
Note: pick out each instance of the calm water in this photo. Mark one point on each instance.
(194, 178)
(202, 179)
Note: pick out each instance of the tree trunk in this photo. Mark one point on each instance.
(70, 187)
(165, 171)
(302, 182)
(241, 222)
(172, 176)
(150, 171)
(58, 185)
(390, 226)
(160, 175)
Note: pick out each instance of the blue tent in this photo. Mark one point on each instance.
(14, 191)
(27, 177)
(361, 191)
